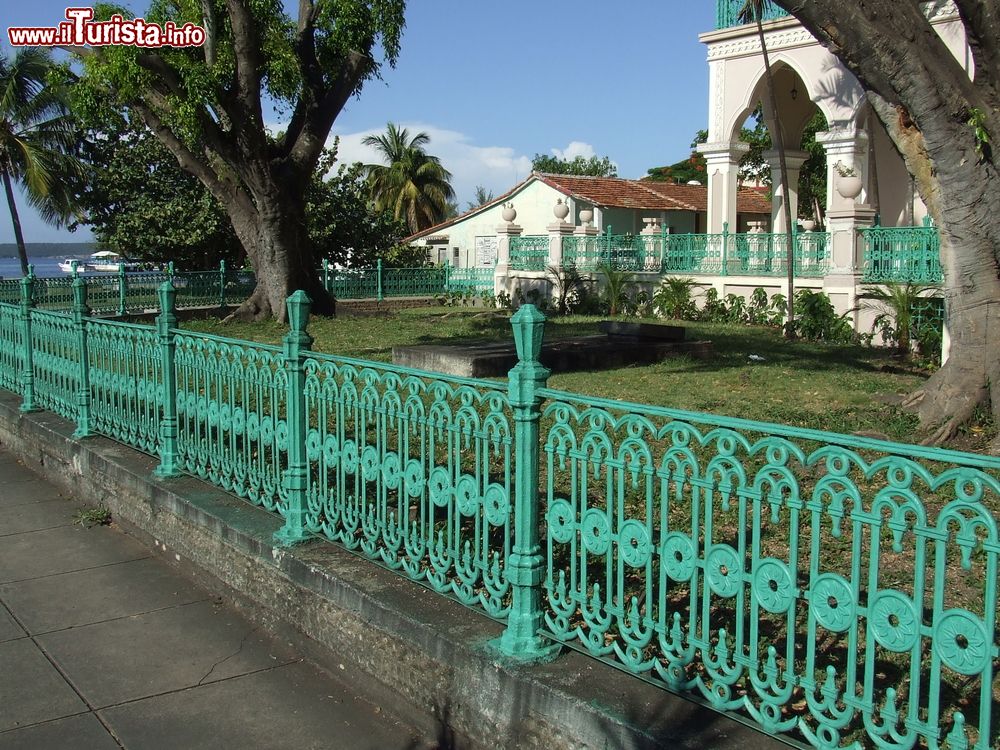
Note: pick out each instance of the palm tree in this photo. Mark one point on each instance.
(412, 184)
(483, 196)
(36, 141)
(753, 11)
(616, 286)
(901, 300)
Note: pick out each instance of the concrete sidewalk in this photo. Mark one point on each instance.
(104, 645)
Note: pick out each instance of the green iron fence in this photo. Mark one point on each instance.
(834, 589)
(727, 12)
(529, 253)
(725, 254)
(902, 254)
(379, 282)
(125, 293)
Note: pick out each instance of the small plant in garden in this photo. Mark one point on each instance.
(567, 283)
(674, 298)
(817, 319)
(89, 517)
(616, 286)
(504, 302)
(896, 301)
(777, 309)
(737, 312)
(713, 310)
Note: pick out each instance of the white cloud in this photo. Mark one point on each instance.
(573, 150)
(497, 168)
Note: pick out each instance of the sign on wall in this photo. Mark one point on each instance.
(486, 251)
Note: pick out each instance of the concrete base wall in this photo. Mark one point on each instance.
(417, 653)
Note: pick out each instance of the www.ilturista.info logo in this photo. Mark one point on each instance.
(79, 30)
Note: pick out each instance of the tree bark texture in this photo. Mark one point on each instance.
(926, 99)
(22, 250)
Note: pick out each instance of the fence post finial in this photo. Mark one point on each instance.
(165, 323)
(520, 640)
(297, 344)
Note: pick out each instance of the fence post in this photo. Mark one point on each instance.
(170, 270)
(297, 344)
(222, 283)
(165, 323)
(378, 279)
(725, 248)
(520, 640)
(122, 292)
(447, 278)
(326, 274)
(80, 311)
(27, 360)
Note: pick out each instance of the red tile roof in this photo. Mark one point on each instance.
(615, 192)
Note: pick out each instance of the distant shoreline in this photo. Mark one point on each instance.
(49, 249)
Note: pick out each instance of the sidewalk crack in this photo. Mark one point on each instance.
(222, 661)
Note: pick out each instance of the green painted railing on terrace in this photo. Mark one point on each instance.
(725, 254)
(380, 282)
(125, 293)
(833, 589)
(902, 254)
(727, 13)
(529, 253)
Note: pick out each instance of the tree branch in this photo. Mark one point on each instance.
(246, 47)
(317, 122)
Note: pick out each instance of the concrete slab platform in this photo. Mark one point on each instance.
(170, 649)
(68, 548)
(109, 592)
(82, 732)
(9, 629)
(18, 519)
(582, 353)
(306, 710)
(31, 690)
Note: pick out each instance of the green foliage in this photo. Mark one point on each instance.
(37, 144)
(567, 283)
(344, 225)
(817, 320)
(482, 197)
(896, 303)
(616, 287)
(582, 166)
(674, 299)
(140, 203)
(412, 185)
(90, 517)
(977, 121)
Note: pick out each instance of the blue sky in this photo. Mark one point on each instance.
(495, 83)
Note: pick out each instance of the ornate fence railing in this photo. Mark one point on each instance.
(902, 255)
(380, 282)
(722, 254)
(835, 589)
(727, 12)
(529, 253)
(130, 292)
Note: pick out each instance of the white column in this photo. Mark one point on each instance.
(723, 167)
(557, 230)
(501, 273)
(783, 211)
(846, 150)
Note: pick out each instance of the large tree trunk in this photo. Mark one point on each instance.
(22, 251)
(926, 100)
(274, 235)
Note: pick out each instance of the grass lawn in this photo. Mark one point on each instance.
(837, 388)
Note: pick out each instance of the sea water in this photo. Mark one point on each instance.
(10, 268)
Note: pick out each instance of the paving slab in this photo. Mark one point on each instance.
(31, 690)
(306, 710)
(66, 548)
(82, 732)
(17, 519)
(23, 490)
(96, 595)
(171, 649)
(9, 629)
